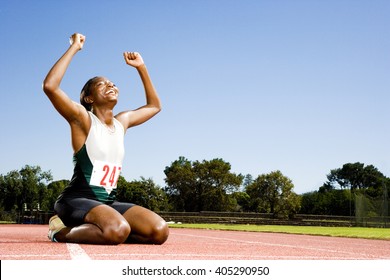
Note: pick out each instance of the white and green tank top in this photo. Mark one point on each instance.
(98, 163)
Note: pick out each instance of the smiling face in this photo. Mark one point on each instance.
(97, 91)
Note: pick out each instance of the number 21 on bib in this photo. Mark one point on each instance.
(105, 174)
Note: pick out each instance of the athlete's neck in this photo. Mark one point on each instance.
(106, 116)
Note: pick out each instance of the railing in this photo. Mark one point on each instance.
(40, 217)
(268, 219)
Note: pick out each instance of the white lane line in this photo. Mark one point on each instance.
(76, 252)
(318, 249)
(33, 256)
(179, 256)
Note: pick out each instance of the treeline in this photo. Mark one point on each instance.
(210, 185)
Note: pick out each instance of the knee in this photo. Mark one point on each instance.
(117, 234)
(160, 233)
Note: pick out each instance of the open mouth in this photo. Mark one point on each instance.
(111, 91)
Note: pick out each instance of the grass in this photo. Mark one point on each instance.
(354, 232)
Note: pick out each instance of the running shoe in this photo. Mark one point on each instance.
(55, 226)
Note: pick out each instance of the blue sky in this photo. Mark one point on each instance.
(296, 86)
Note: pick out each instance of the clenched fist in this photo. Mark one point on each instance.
(77, 39)
(133, 59)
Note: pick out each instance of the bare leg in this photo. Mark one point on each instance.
(146, 226)
(103, 225)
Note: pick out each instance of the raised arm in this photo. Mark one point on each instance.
(51, 85)
(153, 103)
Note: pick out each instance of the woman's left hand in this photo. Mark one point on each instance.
(133, 59)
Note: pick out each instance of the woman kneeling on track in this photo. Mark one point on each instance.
(87, 210)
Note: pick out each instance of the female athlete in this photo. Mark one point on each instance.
(87, 210)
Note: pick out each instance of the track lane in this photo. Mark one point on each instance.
(29, 242)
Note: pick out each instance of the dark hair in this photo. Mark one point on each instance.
(86, 92)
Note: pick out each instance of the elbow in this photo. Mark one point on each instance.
(156, 110)
(157, 107)
(45, 88)
(48, 87)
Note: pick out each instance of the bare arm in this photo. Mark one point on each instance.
(51, 85)
(153, 103)
(74, 113)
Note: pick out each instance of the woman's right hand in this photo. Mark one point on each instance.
(78, 40)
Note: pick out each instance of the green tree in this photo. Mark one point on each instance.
(142, 192)
(356, 176)
(273, 193)
(34, 182)
(327, 202)
(214, 184)
(201, 186)
(242, 200)
(353, 189)
(180, 180)
(11, 187)
(53, 190)
(24, 187)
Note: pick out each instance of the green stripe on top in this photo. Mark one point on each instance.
(82, 159)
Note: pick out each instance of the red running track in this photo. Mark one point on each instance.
(29, 242)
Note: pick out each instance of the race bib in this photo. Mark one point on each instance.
(105, 174)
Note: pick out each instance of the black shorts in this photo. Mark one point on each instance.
(72, 211)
